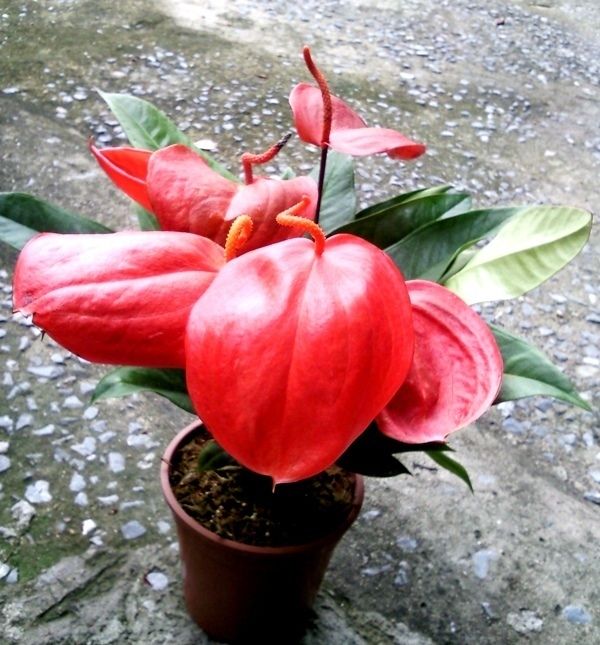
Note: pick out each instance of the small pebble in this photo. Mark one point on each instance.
(86, 448)
(4, 463)
(157, 580)
(481, 562)
(576, 615)
(23, 512)
(78, 483)
(116, 462)
(132, 530)
(525, 621)
(81, 499)
(38, 492)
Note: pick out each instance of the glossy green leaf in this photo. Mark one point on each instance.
(403, 197)
(528, 372)
(387, 225)
(527, 250)
(452, 466)
(124, 381)
(22, 216)
(149, 128)
(213, 457)
(338, 204)
(429, 251)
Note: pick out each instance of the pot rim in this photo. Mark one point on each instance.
(241, 546)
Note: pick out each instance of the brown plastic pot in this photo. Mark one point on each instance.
(242, 593)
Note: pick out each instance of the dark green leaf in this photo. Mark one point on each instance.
(404, 197)
(32, 215)
(149, 128)
(442, 459)
(387, 225)
(528, 372)
(124, 381)
(372, 454)
(429, 251)
(383, 465)
(146, 219)
(213, 457)
(339, 198)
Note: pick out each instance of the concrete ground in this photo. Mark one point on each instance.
(506, 96)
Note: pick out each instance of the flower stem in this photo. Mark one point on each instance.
(321, 185)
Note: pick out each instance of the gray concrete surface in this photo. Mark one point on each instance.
(506, 95)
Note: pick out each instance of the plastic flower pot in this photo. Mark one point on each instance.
(242, 593)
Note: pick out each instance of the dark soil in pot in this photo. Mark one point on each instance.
(240, 505)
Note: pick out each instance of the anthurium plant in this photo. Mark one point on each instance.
(301, 331)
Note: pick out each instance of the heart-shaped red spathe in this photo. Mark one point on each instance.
(456, 371)
(290, 354)
(120, 298)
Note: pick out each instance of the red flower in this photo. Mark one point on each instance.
(456, 370)
(349, 133)
(291, 350)
(120, 298)
(295, 348)
(185, 194)
(326, 121)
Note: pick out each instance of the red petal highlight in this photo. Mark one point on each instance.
(263, 200)
(187, 195)
(456, 371)
(127, 168)
(349, 133)
(291, 354)
(369, 141)
(120, 298)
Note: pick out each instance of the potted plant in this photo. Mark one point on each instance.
(315, 342)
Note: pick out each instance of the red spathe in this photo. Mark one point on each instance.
(349, 133)
(291, 354)
(119, 298)
(455, 374)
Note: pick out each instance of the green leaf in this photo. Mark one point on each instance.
(372, 454)
(397, 218)
(429, 251)
(15, 235)
(22, 216)
(532, 247)
(213, 457)
(404, 197)
(146, 219)
(124, 381)
(338, 204)
(149, 128)
(452, 466)
(145, 125)
(528, 372)
(459, 262)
